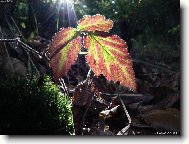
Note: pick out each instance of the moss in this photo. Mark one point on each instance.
(33, 107)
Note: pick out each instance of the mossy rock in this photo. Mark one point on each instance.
(33, 107)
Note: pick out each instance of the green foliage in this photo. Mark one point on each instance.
(135, 17)
(158, 15)
(33, 107)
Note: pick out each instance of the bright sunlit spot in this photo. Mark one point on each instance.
(65, 12)
(68, 8)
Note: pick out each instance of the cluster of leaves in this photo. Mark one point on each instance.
(107, 54)
(33, 107)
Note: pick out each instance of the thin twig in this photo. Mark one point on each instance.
(122, 95)
(29, 48)
(89, 82)
(22, 44)
(16, 26)
(124, 130)
(7, 40)
(63, 86)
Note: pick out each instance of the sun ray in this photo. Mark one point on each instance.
(72, 18)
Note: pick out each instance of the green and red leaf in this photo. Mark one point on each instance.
(94, 23)
(108, 55)
(64, 50)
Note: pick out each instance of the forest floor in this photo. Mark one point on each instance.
(101, 107)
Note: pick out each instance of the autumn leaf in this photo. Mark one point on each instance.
(108, 55)
(64, 50)
(94, 23)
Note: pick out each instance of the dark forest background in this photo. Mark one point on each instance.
(151, 29)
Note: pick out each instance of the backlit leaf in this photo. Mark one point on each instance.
(64, 50)
(108, 55)
(94, 23)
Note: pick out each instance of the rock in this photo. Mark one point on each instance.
(12, 65)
